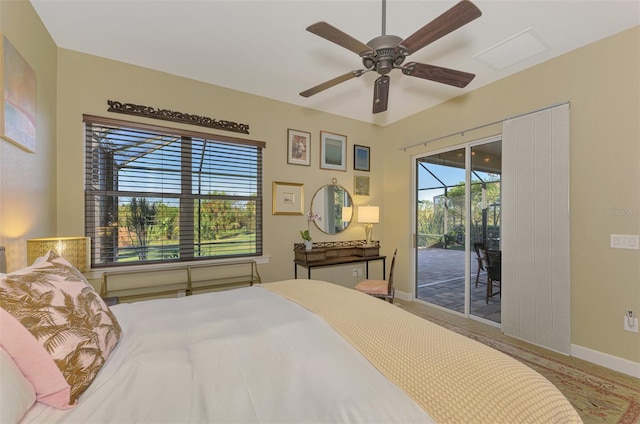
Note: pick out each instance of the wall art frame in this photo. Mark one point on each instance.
(333, 151)
(287, 198)
(361, 158)
(361, 185)
(298, 147)
(18, 112)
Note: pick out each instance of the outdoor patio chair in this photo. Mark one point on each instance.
(481, 252)
(382, 289)
(494, 272)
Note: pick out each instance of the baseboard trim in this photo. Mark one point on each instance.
(403, 296)
(615, 363)
(604, 359)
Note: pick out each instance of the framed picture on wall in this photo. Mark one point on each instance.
(361, 160)
(287, 198)
(298, 147)
(18, 106)
(333, 151)
(361, 185)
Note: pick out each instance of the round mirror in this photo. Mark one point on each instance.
(334, 206)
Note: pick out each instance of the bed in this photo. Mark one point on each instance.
(285, 352)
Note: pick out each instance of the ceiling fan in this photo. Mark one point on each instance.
(387, 52)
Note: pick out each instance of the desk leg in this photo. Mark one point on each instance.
(366, 269)
(295, 270)
(309, 273)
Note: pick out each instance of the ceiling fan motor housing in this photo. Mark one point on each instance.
(387, 54)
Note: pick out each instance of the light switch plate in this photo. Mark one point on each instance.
(625, 241)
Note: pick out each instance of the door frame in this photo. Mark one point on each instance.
(413, 219)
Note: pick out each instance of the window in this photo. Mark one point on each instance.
(156, 194)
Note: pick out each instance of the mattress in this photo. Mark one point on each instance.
(243, 355)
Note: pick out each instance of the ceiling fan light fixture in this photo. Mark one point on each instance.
(384, 66)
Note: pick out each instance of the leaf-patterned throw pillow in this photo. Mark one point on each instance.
(68, 320)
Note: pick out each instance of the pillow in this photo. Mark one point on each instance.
(16, 393)
(70, 331)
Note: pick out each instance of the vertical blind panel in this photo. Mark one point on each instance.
(155, 196)
(536, 265)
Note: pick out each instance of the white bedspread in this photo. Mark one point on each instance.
(245, 355)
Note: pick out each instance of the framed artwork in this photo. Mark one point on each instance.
(361, 185)
(18, 106)
(361, 160)
(287, 198)
(333, 151)
(298, 147)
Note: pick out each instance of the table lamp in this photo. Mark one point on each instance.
(73, 249)
(368, 215)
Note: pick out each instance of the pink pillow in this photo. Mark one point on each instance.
(16, 393)
(56, 327)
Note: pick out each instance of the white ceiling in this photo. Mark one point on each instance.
(261, 47)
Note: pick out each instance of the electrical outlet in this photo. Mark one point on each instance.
(354, 272)
(630, 322)
(182, 293)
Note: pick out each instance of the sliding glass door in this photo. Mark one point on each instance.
(440, 230)
(484, 225)
(457, 211)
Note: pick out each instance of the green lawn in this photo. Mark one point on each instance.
(238, 245)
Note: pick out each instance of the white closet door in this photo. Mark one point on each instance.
(536, 298)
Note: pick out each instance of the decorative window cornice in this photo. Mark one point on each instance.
(169, 115)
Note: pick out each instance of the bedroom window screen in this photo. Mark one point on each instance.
(156, 194)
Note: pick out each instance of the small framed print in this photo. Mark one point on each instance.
(361, 160)
(361, 185)
(287, 198)
(298, 147)
(333, 151)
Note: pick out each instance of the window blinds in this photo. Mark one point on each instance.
(155, 194)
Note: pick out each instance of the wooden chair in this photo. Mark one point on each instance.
(481, 253)
(494, 272)
(382, 289)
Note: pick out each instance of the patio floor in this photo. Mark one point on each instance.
(441, 282)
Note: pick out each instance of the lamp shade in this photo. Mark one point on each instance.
(73, 249)
(368, 214)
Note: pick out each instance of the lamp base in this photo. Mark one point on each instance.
(368, 231)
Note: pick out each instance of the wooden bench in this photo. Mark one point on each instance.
(176, 281)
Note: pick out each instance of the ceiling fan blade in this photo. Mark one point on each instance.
(381, 94)
(343, 39)
(328, 84)
(438, 74)
(460, 14)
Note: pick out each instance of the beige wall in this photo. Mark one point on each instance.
(602, 82)
(87, 82)
(28, 180)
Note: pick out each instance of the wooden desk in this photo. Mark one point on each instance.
(337, 253)
(339, 261)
